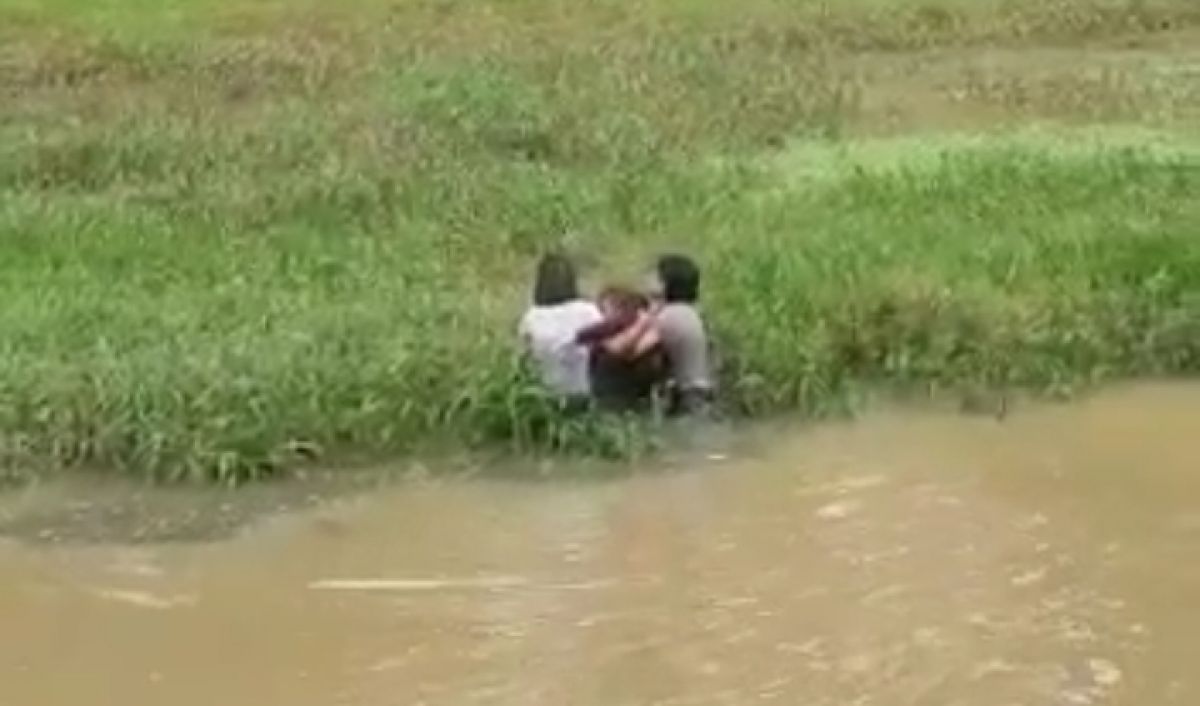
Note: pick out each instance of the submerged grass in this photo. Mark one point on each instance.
(223, 253)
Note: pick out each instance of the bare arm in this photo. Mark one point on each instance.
(635, 340)
(648, 342)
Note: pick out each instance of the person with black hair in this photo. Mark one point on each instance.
(549, 328)
(683, 336)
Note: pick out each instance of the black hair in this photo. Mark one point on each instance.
(680, 279)
(555, 282)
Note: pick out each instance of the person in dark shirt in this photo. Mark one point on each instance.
(625, 364)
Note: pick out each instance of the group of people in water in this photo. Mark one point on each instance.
(625, 349)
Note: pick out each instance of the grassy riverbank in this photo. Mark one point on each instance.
(226, 235)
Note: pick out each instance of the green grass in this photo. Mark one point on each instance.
(221, 246)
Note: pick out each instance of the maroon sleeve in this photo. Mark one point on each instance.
(602, 330)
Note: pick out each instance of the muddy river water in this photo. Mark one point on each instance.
(906, 558)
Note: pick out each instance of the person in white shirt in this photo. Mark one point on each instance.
(550, 326)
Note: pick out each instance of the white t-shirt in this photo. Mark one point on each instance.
(549, 332)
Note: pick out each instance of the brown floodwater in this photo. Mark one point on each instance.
(910, 557)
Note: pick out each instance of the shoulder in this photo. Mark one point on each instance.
(679, 317)
(672, 314)
(531, 315)
(585, 310)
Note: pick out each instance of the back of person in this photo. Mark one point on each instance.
(622, 384)
(625, 365)
(549, 333)
(685, 342)
(549, 327)
(683, 336)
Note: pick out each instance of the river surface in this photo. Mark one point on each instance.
(910, 557)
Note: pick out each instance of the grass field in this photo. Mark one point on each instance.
(229, 231)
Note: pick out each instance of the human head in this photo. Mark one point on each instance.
(680, 279)
(555, 282)
(621, 301)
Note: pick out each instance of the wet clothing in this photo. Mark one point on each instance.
(685, 345)
(550, 333)
(623, 385)
(691, 402)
